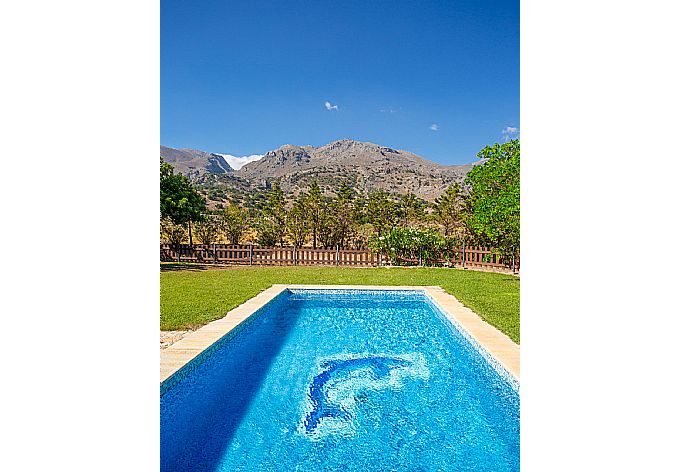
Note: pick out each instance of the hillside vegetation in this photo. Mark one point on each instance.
(366, 167)
(484, 210)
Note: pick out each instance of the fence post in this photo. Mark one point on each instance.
(463, 253)
(337, 255)
(420, 258)
(179, 250)
(294, 255)
(380, 260)
(251, 252)
(214, 253)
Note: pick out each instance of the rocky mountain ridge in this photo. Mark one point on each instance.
(365, 166)
(193, 163)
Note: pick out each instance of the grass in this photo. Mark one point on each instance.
(193, 295)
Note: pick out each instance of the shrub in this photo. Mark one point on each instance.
(172, 233)
(408, 245)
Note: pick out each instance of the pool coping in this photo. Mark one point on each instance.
(497, 344)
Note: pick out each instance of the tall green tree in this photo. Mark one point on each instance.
(411, 210)
(234, 222)
(179, 201)
(329, 225)
(271, 223)
(297, 224)
(345, 214)
(381, 211)
(207, 230)
(449, 210)
(314, 208)
(493, 202)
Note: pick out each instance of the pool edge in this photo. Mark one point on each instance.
(177, 355)
(494, 342)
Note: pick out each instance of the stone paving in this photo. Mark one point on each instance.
(168, 338)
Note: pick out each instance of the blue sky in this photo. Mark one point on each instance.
(440, 79)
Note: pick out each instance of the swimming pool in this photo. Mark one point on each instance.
(357, 380)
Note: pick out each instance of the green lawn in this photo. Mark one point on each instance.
(192, 296)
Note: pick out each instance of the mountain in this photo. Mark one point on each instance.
(366, 166)
(194, 163)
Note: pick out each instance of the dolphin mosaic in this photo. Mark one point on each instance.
(334, 393)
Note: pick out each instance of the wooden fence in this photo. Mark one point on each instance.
(248, 254)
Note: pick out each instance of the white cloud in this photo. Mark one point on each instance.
(509, 132)
(433, 127)
(237, 162)
(329, 106)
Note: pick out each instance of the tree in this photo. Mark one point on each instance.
(362, 235)
(314, 204)
(297, 223)
(345, 214)
(449, 210)
(271, 222)
(493, 202)
(411, 210)
(380, 211)
(179, 201)
(207, 230)
(329, 226)
(233, 223)
(171, 232)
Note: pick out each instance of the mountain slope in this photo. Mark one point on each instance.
(365, 166)
(194, 163)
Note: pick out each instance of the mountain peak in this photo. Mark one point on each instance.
(367, 166)
(364, 165)
(193, 162)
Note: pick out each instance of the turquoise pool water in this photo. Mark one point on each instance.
(342, 380)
